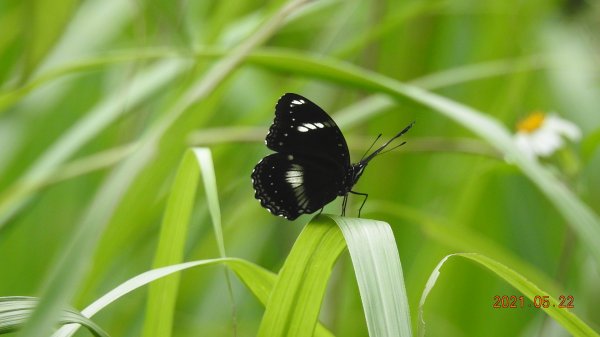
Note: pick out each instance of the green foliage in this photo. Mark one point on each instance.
(568, 320)
(379, 275)
(15, 310)
(294, 304)
(103, 102)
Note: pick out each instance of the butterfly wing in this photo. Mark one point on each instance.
(291, 185)
(302, 127)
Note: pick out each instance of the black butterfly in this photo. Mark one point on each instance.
(311, 166)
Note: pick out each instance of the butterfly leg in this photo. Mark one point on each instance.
(321, 211)
(344, 204)
(364, 201)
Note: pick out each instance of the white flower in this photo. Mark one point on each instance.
(540, 135)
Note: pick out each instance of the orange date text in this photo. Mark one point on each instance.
(539, 301)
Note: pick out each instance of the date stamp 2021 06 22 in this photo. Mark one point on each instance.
(512, 301)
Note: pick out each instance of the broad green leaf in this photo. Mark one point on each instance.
(379, 275)
(294, 305)
(573, 324)
(295, 302)
(15, 310)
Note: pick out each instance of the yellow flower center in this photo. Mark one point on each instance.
(532, 122)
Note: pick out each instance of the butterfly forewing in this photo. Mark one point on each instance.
(291, 185)
(302, 128)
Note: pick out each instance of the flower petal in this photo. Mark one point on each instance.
(564, 127)
(545, 142)
(523, 142)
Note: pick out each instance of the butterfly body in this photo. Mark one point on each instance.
(311, 166)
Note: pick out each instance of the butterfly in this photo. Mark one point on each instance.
(311, 164)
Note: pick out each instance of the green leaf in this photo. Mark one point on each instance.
(44, 26)
(464, 240)
(579, 216)
(258, 280)
(590, 145)
(209, 180)
(378, 271)
(294, 305)
(295, 302)
(263, 57)
(171, 244)
(162, 294)
(565, 318)
(66, 276)
(102, 115)
(15, 310)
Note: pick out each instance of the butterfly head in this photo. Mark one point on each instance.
(357, 171)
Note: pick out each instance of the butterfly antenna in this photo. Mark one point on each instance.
(370, 147)
(395, 147)
(378, 151)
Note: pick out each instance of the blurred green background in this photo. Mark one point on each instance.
(86, 84)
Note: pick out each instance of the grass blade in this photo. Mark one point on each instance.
(105, 113)
(162, 294)
(68, 273)
(171, 244)
(15, 310)
(258, 280)
(465, 240)
(296, 299)
(379, 274)
(207, 169)
(579, 216)
(565, 318)
(295, 303)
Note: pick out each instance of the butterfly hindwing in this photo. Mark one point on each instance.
(302, 127)
(291, 185)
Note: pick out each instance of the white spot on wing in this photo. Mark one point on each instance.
(295, 181)
(319, 125)
(302, 129)
(295, 176)
(310, 126)
(290, 157)
(298, 101)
